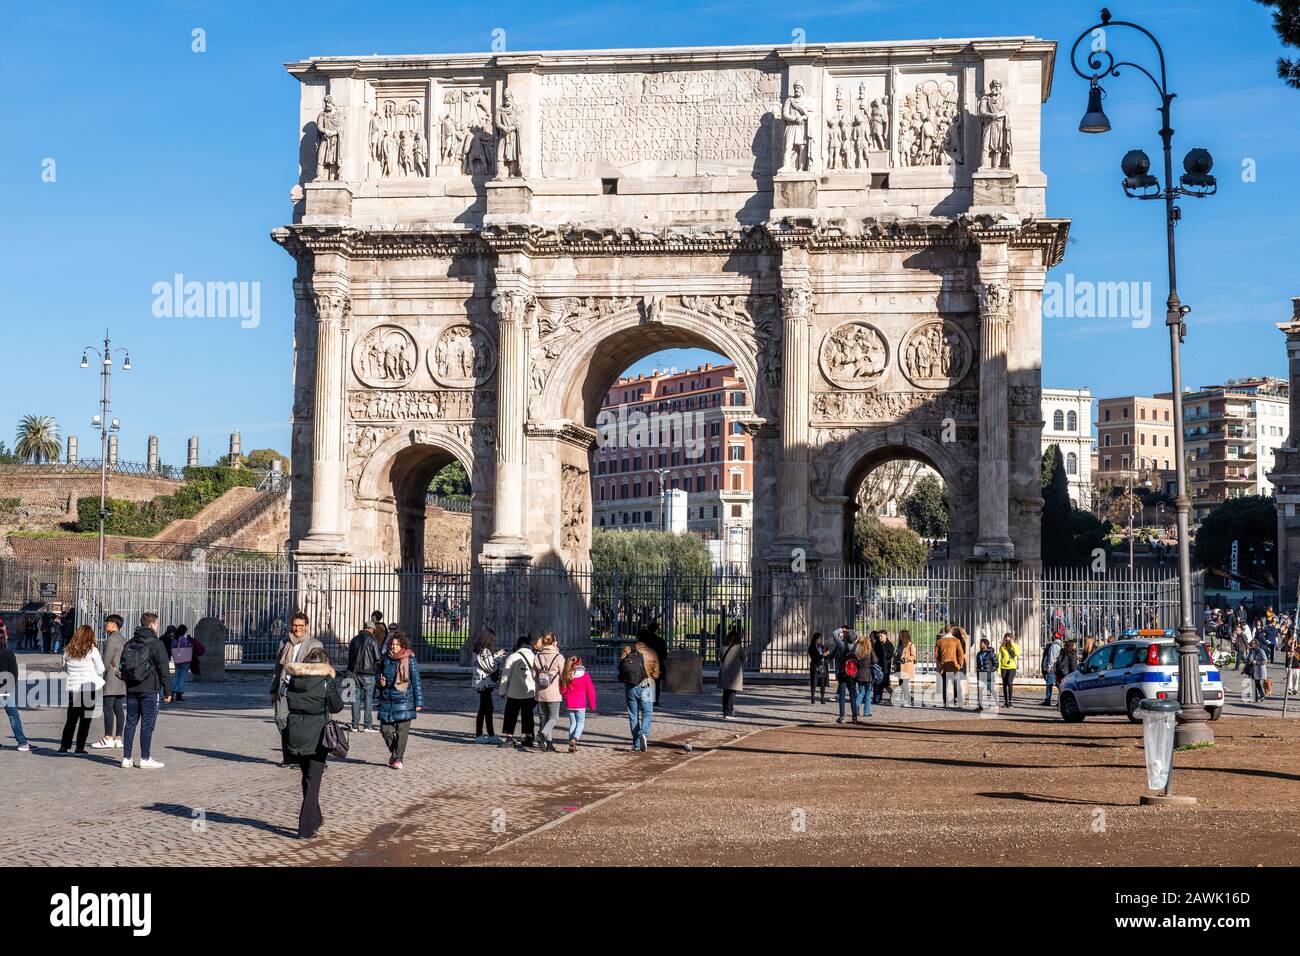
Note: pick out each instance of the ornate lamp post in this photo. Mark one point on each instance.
(104, 424)
(1140, 184)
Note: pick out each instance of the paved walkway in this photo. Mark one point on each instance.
(222, 799)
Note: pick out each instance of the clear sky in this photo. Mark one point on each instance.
(168, 161)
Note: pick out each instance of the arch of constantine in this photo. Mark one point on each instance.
(484, 242)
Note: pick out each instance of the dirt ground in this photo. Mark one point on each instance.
(946, 793)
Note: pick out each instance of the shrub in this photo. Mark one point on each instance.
(203, 485)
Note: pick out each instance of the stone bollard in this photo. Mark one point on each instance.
(211, 633)
(683, 672)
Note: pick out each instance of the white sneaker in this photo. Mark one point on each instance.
(126, 763)
(104, 743)
(151, 764)
(25, 748)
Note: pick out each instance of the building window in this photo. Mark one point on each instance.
(736, 453)
(1142, 438)
(735, 511)
(1058, 420)
(647, 517)
(1071, 464)
(716, 481)
(1107, 414)
(1105, 463)
(687, 483)
(636, 490)
(1142, 413)
(1123, 462)
(715, 511)
(1123, 439)
(1105, 441)
(1072, 422)
(736, 481)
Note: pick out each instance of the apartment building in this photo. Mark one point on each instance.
(1232, 432)
(676, 430)
(1067, 423)
(1135, 439)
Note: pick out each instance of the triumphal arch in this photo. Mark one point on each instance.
(485, 241)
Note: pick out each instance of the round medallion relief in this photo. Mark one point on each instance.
(385, 357)
(462, 357)
(935, 354)
(854, 355)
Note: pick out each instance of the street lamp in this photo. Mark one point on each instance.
(1193, 726)
(104, 424)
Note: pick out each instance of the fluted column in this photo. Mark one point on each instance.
(994, 295)
(327, 459)
(796, 315)
(513, 303)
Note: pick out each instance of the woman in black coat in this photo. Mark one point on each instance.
(818, 667)
(312, 696)
(884, 648)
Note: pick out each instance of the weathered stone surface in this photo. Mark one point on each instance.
(211, 633)
(683, 672)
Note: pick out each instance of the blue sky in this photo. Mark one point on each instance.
(169, 161)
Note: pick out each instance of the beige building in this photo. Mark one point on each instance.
(1232, 433)
(1135, 439)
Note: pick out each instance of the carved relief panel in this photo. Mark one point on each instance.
(929, 120)
(854, 355)
(385, 357)
(397, 145)
(935, 354)
(856, 128)
(466, 131)
(462, 357)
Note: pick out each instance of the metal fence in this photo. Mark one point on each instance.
(593, 612)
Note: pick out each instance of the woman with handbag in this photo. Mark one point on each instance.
(731, 673)
(400, 695)
(884, 649)
(868, 668)
(487, 674)
(906, 657)
(819, 671)
(312, 696)
(182, 657)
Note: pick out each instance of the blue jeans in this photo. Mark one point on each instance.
(178, 681)
(847, 687)
(141, 709)
(1049, 679)
(577, 721)
(640, 708)
(363, 688)
(864, 696)
(15, 722)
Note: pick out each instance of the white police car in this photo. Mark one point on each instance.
(1116, 678)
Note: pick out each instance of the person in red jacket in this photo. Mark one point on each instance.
(579, 696)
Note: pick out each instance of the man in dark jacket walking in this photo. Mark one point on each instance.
(363, 665)
(143, 668)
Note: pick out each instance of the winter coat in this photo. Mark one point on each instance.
(885, 651)
(114, 686)
(949, 654)
(278, 677)
(1050, 653)
(86, 670)
(160, 678)
(355, 647)
(1008, 657)
(907, 661)
(550, 662)
(731, 669)
(517, 679)
(986, 662)
(312, 691)
(1067, 663)
(581, 692)
(487, 669)
(8, 671)
(396, 705)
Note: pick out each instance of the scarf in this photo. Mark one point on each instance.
(403, 658)
(290, 645)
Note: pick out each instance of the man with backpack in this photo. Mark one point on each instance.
(846, 664)
(363, 666)
(1051, 654)
(638, 669)
(144, 672)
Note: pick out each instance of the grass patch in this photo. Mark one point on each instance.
(1203, 745)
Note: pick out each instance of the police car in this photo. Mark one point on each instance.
(1116, 678)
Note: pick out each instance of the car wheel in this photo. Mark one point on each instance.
(1215, 712)
(1070, 711)
(1133, 706)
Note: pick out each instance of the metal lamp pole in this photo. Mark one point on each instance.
(1193, 726)
(102, 422)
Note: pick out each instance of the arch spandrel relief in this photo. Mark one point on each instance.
(463, 356)
(385, 357)
(936, 354)
(854, 355)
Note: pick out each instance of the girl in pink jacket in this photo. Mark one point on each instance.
(579, 694)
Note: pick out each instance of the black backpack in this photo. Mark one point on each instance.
(136, 665)
(631, 669)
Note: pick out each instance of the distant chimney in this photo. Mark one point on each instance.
(112, 449)
(192, 452)
(153, 453)
(72, 449)
(234, 449)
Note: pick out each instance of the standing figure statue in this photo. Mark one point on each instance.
(329, 129)
(996, 144)
(836, 135)
(798, 137)
(405, 154)
(508, 135)
(450, 151)
(421, 155)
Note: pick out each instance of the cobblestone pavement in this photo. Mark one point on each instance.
(222, 799)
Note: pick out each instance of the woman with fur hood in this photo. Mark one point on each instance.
(312, 696)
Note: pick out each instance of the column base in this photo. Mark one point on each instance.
(784, 552)
(324, 549)
(1165, 800)
(505, 551)
(995, 548)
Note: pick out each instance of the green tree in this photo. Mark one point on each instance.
(1251, 521)
(451, 482)
(926, 508)
(7, 457)
(38, 439)
(883, 551)
(636, 553)
(1286, 22)
(259, 459)
(1069, 535)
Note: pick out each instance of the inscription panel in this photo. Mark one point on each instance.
(670, 123)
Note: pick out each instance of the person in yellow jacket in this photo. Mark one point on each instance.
(1008, 662)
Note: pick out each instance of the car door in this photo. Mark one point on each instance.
(1120, 677)
(1089, 689)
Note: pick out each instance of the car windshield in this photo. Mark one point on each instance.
(1169, 654)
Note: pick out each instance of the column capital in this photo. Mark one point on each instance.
(797, 303)
(332, 305)
(994, 298)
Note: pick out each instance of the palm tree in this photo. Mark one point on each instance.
(38, 439)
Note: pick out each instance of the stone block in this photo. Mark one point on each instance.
(683, 672)
(328, 200)
(511, 197)
(211, 633)
(794, 191)
(993, 188)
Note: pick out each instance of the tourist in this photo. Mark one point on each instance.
(309, 692)
(818, 670)
(731, 672)
(1008, 662)
(400, 696)
(47, 633)
(114, 687)
(364, 652)
(10, 690)
(295, 647)
(182, 658)
(1089, 645)
(651, 638)
(1291, 660)
(85, 669)
(579, 692)
(1051, 653)
(518, 687)
(959, 632)
(29, 629)
(884, 649)
(1067, 662)
(486, 676)
(949, 660)
(638, 669)
(1257, 668)
(548, 668)
(144, 672)
(868, 664)
(847, 675)
(986, 665)
(906, 658)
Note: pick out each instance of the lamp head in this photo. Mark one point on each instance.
(126, 366)
(115, 426)
(1197, 165)
(84, 363)
(1094, 119)
(1137, 172)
